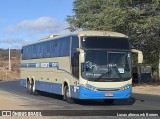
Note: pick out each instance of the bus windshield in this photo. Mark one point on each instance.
(104, 65)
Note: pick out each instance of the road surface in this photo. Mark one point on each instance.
(54, 102)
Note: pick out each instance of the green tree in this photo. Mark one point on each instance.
(139, 19)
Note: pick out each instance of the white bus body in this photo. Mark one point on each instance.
(83, 65)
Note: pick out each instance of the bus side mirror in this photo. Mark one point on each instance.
(82, 55)
(140, 55)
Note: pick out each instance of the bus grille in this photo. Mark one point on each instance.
(104, 89)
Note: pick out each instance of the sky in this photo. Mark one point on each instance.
(24, 21)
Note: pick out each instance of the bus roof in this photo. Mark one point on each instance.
(101, 33)
(79, 34)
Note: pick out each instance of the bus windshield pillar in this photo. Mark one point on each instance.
(82, 55)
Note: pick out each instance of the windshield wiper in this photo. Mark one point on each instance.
(105, 74)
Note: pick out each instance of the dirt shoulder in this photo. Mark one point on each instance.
(152, 89)
(13, 102)
(10, 102)
(9, 75)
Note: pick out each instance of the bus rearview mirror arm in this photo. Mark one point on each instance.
(82, 55)
(139, 53)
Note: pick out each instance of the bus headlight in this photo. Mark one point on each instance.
(89, 87)
(125, 87)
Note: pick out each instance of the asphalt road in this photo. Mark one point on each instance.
(52, 102)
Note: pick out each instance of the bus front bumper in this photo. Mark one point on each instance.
(91, 94)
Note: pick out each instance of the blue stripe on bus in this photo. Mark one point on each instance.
(55, 88)
(74, 91)
(80, 92)
(23, 82)
(40, 65)
(49, 87)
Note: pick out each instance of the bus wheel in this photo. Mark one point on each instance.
(66, 96)
(108, 101)
(29, 87)
(34, 91)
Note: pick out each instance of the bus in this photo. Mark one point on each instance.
(83, 65)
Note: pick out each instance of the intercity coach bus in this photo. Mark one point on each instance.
(83, 65)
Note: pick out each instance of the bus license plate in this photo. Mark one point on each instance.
(109, 94)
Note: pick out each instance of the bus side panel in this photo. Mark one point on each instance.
(55, 88)
(74, 91)
(23, 82)
(50, 78)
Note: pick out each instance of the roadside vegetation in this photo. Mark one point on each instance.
(139, 19)
(5, 74)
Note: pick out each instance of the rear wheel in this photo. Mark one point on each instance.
(66, 95)
(108, 101)
(31, 88)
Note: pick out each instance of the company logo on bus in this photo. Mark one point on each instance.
(41, 65)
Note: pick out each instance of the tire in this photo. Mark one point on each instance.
(30, 89)
(108, 101)
(66, 96)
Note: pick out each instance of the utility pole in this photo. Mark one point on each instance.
(9, 63)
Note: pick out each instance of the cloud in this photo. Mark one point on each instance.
(31, 29)
(2, 20)
(14, 42)
(37, 26)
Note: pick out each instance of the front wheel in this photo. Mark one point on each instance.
(66, 95)
(108, 101)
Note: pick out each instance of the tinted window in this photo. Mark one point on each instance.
(105, 43)
(40, 51)
(53, 48)
(75, 56)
